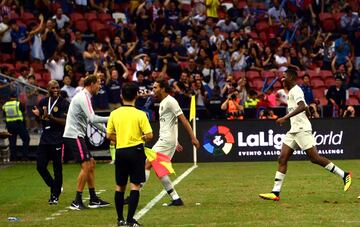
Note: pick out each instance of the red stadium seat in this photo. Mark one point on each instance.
(318, 92)
(257, 84)
(91, 16)
(330, 81)
(38, 76)
(251, 75)
(241, 4)
(81, 25)
(96, 25)
(313, 74)
(46, 77)
(317, 83)
(262, 26)
(102, 34)
(105, 18)
(37, 66)
(238, 74)
(19, 65)
(75, 16)
(352, 101)
(8, 65)
(326, 73)
(268, 74)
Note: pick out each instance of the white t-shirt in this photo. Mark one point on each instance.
(61, 22)
(299, 122)
(281, 60)
(169, 110)
(56, 69)
(6, 37)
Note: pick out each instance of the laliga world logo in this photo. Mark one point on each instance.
(218, 140)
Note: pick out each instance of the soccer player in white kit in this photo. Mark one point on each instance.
(169, 113)
(299, 136)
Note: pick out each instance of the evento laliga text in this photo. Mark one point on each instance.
(296, 152)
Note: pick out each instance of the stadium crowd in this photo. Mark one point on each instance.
(230, 53)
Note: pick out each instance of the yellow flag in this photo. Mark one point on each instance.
(192, 108)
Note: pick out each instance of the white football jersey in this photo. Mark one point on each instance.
(169, 111)
(299, 122)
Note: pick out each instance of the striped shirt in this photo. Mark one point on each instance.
(80, 114)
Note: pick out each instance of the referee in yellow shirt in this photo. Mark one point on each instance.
(129, 128)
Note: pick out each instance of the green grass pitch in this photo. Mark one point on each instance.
(215, 194)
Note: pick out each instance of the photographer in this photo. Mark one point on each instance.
(267, 113)
(313, 110)
(234, 110)
(349, 112)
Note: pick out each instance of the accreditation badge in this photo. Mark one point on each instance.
(56, 109)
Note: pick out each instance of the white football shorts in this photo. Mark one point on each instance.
(164, 148)
(302, 140)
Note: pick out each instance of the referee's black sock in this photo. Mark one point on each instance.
(92, 193)
(119, 203)
(133, 203)
(78, 197)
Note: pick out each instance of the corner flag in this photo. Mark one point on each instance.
(161, 163)
(192, 108)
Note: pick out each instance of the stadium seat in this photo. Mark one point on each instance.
(89, 16)
(6, 57)
(313, 74)
(37, 66)
(238, 74)
(325, 74)
(318, 92)
(105, 18)
(268, 74)
(95, 25)
(28, 17)
(19, 65)
(257, 84)
(75, 16)
(317, 83)
(241, 4)
(38, 76)
(102, 34)
(81, 25)
(262, 26)
(11, 67)
(330, 81)
(352, 101)
(251, 75)
(46, 77)
(328, 24)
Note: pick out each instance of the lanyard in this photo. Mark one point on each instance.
(52, 107)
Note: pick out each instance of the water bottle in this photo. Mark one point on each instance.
(13, 219)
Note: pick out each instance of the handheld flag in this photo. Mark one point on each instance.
(192, 108)
(160, 162)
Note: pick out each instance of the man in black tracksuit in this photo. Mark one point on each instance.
(52, 111)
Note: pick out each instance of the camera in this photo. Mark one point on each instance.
(311, 109)
(233, 96)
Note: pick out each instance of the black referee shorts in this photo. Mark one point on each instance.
(130, 162)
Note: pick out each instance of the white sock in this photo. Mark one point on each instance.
(279, 179)
(334, 169)
(166, 182)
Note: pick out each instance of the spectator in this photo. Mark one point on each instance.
(182, 90)
(114, 85)
(60, 18)
(342, 50)
(213, 104)
(36, 43)
(306, 88)
(55, 66)
(31, 100)
(252, 100)
(355, 78)
(234, 111)
(212, 7)
(267, 113)
(226, 25)
(91, 55)
(349, 112)
(336, 96)
(50, 40)
(314, 110)
(5, 36)
(276, 12)
(70, 91)
(349, 22)
(20, 41)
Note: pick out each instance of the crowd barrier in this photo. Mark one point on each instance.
(256, 140)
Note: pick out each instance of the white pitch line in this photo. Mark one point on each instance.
(152, 203)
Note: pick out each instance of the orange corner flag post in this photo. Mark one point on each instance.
(192, 117)
(161, 163)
